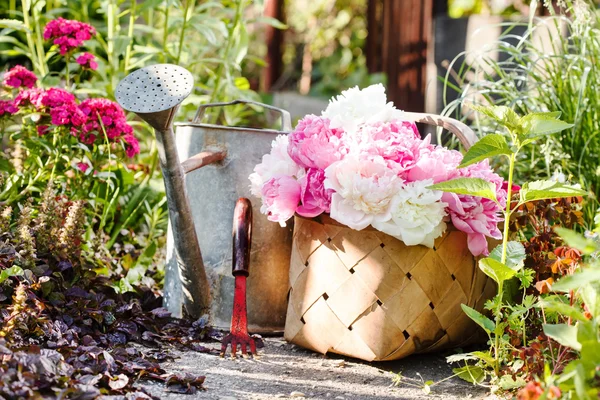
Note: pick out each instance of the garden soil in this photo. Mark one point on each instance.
(287, 371)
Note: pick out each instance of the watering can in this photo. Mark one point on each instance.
(201, 195)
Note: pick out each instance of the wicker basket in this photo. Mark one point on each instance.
(367, 295)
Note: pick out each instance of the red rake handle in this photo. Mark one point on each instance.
(242, 237)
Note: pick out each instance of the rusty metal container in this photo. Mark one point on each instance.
(213, 191)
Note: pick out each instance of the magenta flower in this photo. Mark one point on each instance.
(19, 76)
(314, 197)
(56, 97)
(30, 97)
(132, 146)
(281, 196)
(42, 130)
(68, 34)
(476, 216)
(87, 60)
(7, 108)
(314, 145)
(82, 166)
(107, 116)
(67, 114)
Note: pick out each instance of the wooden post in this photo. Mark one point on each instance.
(399, 34)
(274, 39)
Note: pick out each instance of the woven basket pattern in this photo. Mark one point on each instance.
(367, 295)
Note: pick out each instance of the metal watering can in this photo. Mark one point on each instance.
(201, 195)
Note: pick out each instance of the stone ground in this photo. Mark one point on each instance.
(288, 371)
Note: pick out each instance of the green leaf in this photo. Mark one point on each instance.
(488, 146)
(515, 254)
(480, 319)
(474, 355)
(577, 241)
(13, 24)
(539, 124)
(554, 304)
(563, 334)
(502, 114)
(540, 190)
(469, 186)
(470, 373)
(507, 382)
(577, 280)
(275, 23)
(496, 270)
(9, 272)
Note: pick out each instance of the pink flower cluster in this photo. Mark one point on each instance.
(68, 34)
(7, 108)
(377, 172)
(19, 76)
(87, 120)
(107, 116)
(87, 60)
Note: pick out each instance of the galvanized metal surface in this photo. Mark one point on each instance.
(213, 191)
(154, 93)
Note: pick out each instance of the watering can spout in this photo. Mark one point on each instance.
(160, 120)
(154, 93)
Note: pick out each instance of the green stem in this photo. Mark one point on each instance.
(186, 17)
(29, 37)
(231, 29)
(39, 42)
(166, 32)
(508, 211)
(110, 38)
(132, 17)
(67, 77)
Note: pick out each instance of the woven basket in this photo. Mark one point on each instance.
(367, 295)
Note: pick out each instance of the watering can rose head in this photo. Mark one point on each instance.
(365, 165)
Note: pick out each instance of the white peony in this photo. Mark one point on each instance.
(355, 107)
(363, 190)
(274, 164)
(417, 215)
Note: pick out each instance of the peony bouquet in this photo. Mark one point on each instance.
(364, 164)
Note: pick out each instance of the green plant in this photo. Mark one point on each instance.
(506, 261)
(551, 67)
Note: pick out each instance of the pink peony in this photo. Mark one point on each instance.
(68, 34)
(7, 108)
(437, 163)
(277, 162)
(314, 197)
(398, 144)
(19, 76)
(476, 216)
(281, 196)
(363, 189)
(314, 145)
(87, 60)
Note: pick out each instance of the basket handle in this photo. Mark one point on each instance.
(465, 135)
(286, 120)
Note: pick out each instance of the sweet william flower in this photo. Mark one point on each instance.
(277, 162)
(281, 196)
(68, 34)
(417, 215)
(313, 144)
(87, 60)
(7, 108)
(363, 189)
(355, 107)
(314, 197)
(19, 76)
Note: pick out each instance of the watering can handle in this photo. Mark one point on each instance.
(286, 120)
